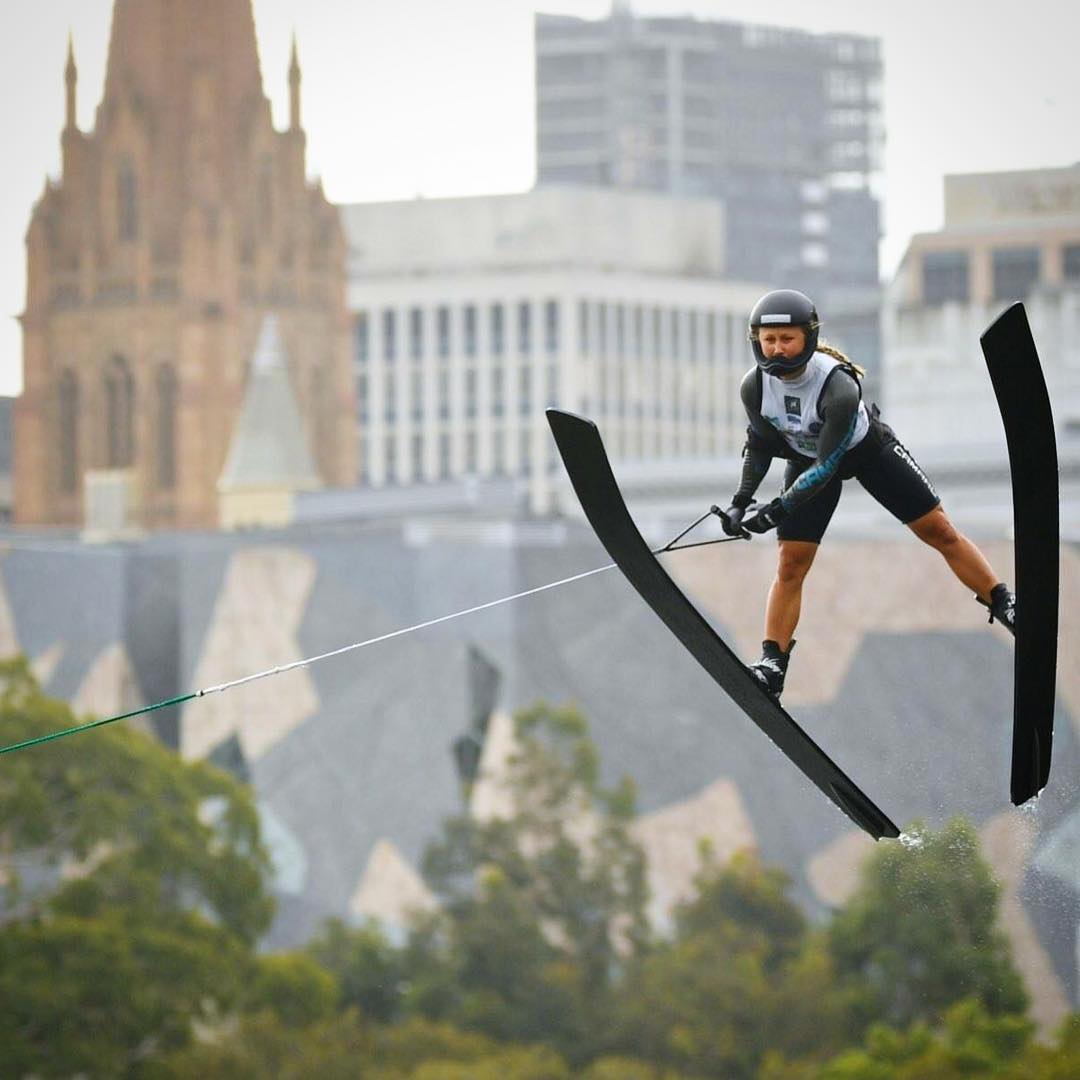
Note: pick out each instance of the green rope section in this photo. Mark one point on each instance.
(97, 723)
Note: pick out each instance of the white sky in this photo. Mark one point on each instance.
(435, 97)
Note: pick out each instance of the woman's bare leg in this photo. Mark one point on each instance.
(785, 594)
(965, 560)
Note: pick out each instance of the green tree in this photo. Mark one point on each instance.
(537, 904)
(136, 888)
(921, 931)
(368, 969)
(141, 829)
(740, 976)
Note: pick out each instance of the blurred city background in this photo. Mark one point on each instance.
(294, 285)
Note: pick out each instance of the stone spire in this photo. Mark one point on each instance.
(71, 76)
(294, 88)
(163, 54)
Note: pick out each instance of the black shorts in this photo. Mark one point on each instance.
(883, 465)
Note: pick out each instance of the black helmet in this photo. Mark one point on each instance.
(784, 307)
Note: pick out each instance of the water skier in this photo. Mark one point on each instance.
(803, 399)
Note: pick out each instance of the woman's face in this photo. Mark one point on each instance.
(785, 341)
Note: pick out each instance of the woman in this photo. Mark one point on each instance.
(804, 402)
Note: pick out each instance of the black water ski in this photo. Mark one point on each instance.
(1017, 375)
(586, 462)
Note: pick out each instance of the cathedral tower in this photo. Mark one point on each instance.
(178, 224)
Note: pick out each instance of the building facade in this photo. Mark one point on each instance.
(785, 126)
(1007, 237)
(471, 316)
(176, 226)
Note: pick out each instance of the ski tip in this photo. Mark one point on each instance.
(1014, 315)
(559, 419)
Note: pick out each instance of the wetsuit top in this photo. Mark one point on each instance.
(819, 415)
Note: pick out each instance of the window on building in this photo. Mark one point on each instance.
(524, 390)
(444, 455)
(945, 277)
(620, 331)
(442, 331)
(390, 402)
(583, 327)
(417, 394)
(553, 385)
(391, 458)
(417, 457)
(1016, 272)
(524, 311)
(416, 334)
(68, 435)
(639, 332)
(470, 452)
(601, 329)
(127, 202)
(361, 337)
(1071, 262)
(119, 415)
(470, 392)
(498, 329)
(551, 325)
(363, 402)
(389, 334)
(498, 391)
(444, 395)
(470, 330)
(166, 426)
(498, 452)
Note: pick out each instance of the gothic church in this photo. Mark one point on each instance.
(178, 225)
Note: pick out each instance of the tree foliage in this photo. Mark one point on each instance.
(921, 932)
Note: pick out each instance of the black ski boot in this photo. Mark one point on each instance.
(1002, 606)
(772, 667)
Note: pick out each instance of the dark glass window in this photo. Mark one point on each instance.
(470, 330)
(525, 326)
(361, 338)
(1016, 272)
(442, 330)
(945, 277)
(1071, 262)
(498, 329)
(551, 326)
(389, 330)
(416, 333)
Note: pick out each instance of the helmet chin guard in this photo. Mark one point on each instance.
(784, 307)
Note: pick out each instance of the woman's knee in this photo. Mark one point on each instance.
(796, 558)
(935, 529)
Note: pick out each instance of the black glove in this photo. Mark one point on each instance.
(731, 519)
(766, 517)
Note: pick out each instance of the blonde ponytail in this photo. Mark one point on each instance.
(830, 350)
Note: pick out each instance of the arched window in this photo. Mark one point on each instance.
(166, 426)
(68, 433)
(318, 425)
(119, 414)
(127, 201)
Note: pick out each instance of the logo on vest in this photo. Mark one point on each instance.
(792, 406)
